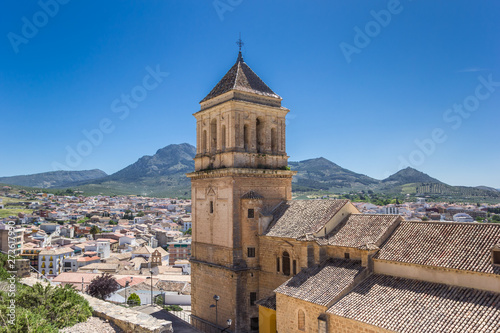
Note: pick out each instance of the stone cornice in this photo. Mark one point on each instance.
(241, 172)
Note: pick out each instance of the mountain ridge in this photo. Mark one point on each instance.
(164, 174)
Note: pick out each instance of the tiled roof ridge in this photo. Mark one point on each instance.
(453, 223)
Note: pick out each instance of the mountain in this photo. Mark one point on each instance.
(163, 174)
(322, 174)
(54, 178)
(409, 175)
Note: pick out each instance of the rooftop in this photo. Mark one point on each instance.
(241, 77)
(321, 284)
(462, 246)
(405, 305)
(295, 218)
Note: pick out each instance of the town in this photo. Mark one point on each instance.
(73, 239)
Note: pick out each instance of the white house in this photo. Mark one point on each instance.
(50, 262)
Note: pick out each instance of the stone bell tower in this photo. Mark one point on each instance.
(240, 175)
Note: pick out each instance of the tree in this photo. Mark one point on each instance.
(102, 286)
(134, 299)
(188, 232)
(94, 230)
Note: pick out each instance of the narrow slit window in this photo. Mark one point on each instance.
(211, 207)
(251, 213)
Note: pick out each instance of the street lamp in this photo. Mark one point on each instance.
(216, 298)
(151, 271)
(228, 322)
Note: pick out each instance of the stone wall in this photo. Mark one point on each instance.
(343, 325)
(288, 314)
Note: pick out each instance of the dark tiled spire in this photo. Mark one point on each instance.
(243, 78)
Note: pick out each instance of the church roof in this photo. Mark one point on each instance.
(366, 231)
(462, 246)
(296, 218)
(404, 305)
(322, 284)
(243, 78)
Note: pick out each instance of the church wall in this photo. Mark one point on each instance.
(468, 279)
(270, 248)
(287, 314)
(207, 281)
(338, 324)
(267, 320)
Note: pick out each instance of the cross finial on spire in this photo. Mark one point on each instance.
(240, 43)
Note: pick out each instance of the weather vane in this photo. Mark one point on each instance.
(239, 42)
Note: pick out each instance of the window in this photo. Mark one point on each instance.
(495, 254)
(213, 134)
(346, 255)
(301, 320)
(251, 213)
(294, 267)
(254, 324)
(278, 264)
(286, 263)
(211, 207)
(251, 252)
(253, 298)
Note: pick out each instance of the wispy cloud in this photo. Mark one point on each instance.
(472, 70)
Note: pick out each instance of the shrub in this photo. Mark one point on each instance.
(173, 308)
(134, 300)
(44, 308)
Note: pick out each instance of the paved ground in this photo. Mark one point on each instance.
(178, 325)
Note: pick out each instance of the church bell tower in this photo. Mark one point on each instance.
(240, 174)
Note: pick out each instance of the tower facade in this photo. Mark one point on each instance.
(240, 176)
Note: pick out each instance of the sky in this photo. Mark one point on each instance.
(373, 86)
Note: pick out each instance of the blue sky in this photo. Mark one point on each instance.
(373, 86)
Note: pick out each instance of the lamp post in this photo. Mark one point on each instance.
(126, 286)
(228, 322)
(151, 271)
(216, 298)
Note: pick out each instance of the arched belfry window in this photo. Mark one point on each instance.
(274, 140)
(223, 137)
(213, 135)
(246, 137)
(259, 131)
(301, 320)
(204, 146)
(286, 263)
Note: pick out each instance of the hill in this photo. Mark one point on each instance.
(163, 174)
(53, 179)
(408, 176)
(322, 174)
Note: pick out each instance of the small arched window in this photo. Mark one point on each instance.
(301, 320)
(286, 263)
(259, 131)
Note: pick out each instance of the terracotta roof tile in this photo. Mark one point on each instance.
(361, 231)
(241, 77)
(321, 284)
(463, 246)
(295, 218)
(268, 302)
(405, 305)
